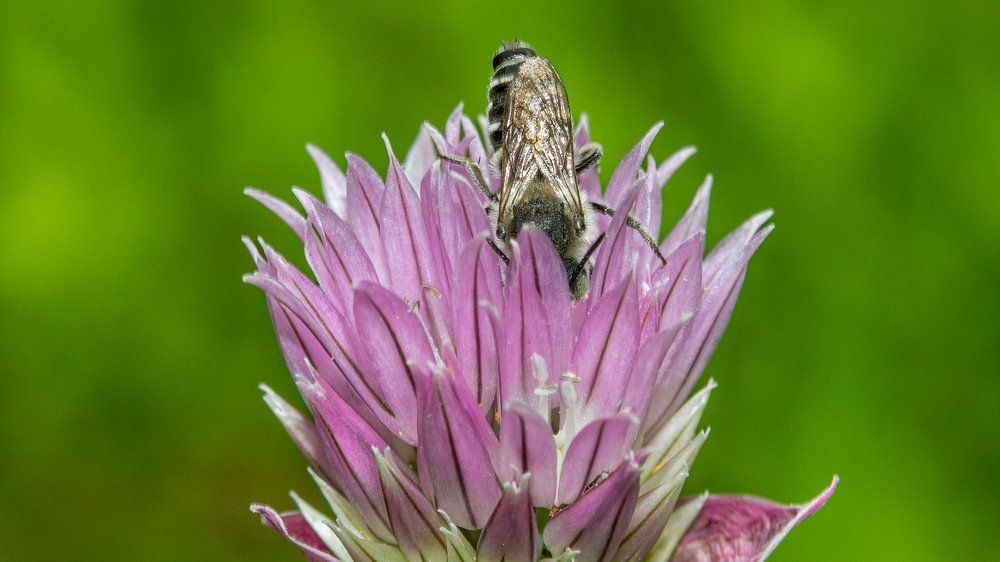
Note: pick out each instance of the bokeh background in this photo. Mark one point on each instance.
(865, 342)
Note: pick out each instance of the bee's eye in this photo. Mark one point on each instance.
(501, 232)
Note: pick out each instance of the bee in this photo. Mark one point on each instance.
(531, 131)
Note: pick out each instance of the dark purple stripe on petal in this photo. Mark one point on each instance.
(691, 350)
(536, 319)
(611, 263)
(596, 522)
(395, 345)
(598, 448)
(476, 297)
(511, 534)
(415, 523)
(527, 445)
(365, 192)
(606, 351)
(457, 451)
(738, 528)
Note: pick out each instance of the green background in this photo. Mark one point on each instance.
(865, 343)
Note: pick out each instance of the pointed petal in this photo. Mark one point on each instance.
(395, 345)
(415, 523)
(729, 247)
(459, 548)
(596, 522)
(344, 512)
(678, 432)
(404, 235)
(433, 215)
(365, 192)
(659, 180)
(676, 288)
(625, 174)
(333, 251)
(606, 351)
(477, 152)
(300, 428)
(293, 526)
(511, 535)
(285, 212)
(612, 264)
(348, 441)
(677, 524)
(457, 451)
(364, 549)
(650, 518)
(599, 447)
(733, 528)
(651, 354)
(690, 353)
(407, 242)
(319, 522)
(535, 318)
(333, 179)
(420, 157)
(694, 220)
(476, 298)
(528, 446)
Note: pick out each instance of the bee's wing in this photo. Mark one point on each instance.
(538, 139)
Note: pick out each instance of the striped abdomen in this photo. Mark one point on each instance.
(506, 63)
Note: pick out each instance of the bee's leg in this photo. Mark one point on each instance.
(497, 249)
(584, 262)
(474, 171)
(588, 157)
(631, 222)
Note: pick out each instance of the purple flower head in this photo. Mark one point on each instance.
(462, 408)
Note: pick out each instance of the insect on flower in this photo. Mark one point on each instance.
(531, 130)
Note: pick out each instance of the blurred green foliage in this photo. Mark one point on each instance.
(865, 343)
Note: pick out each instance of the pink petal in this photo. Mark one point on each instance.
(365, 192)
(301, 429)
(729, 247)
(415, 523)
(395, 346)
(596, 523)
(285, 212)
(676, 288)
(598, 448)
(528, 446)
(293, 526)
(625, 174)
(420, 157)
(456, 452)
(477, 296)
(333, 179)
(511, 534)
(535, 318)
(407, 242)
(605, 352)
(743, 528)
(348, 440)
(690, 352)
(612, 264)
(333, 251)
(693, 222)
